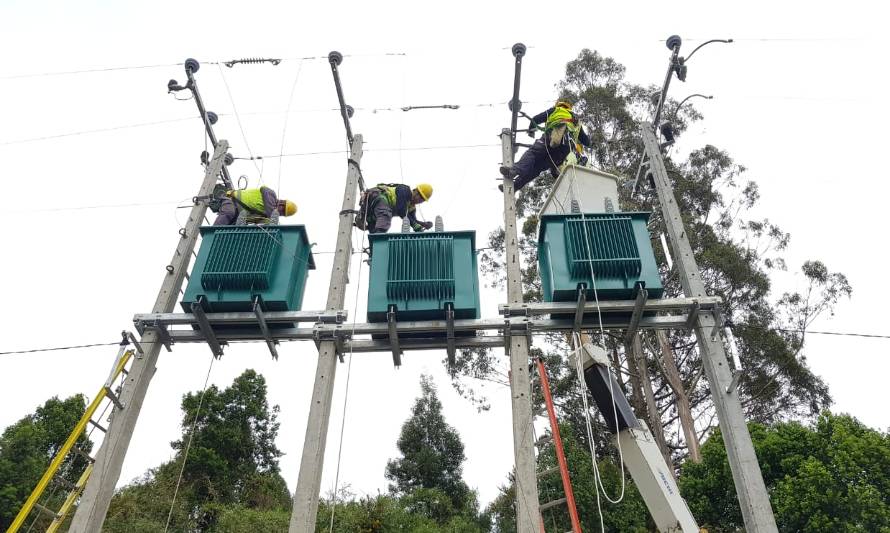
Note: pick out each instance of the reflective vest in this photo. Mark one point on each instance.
(252, 199)
(560, 116)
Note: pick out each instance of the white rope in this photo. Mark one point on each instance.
(189, 444)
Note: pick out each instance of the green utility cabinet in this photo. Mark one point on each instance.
(612, 249)
(419, 273)
(237, 263)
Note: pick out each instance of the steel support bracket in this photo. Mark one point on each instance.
(579, 310)
(513, 310)
(206, 329)
(718, 322)
(692, 318)
(394, 336)
(449, 332)
(114, 399)
(507, 335)
(734, 383)
(636, 315)
(162, 332)
(135, 343)
(328, 332)
(261, 320)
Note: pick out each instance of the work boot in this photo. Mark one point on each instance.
(509, 172)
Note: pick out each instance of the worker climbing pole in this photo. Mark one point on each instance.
(527, 509)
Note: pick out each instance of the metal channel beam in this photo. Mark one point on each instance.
(246, 318)
(517, 325)
(608, 307)
(636, 315)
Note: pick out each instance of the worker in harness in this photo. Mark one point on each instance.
(379, 204)
(252, 206)
(563, 135)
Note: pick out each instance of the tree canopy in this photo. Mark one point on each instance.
(28, 446)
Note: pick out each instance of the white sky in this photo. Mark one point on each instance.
(798, 100)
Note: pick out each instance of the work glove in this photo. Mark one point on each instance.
(531, 129)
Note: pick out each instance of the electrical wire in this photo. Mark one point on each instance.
(98, 130)
(189, 443)
(348, 374)
(284, 128)
(238, 120)
(86, 71)
(57, 348)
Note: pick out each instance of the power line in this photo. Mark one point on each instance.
(838, 333)
(387, 149)
(86, 71)
(98, 130)
(35, 350)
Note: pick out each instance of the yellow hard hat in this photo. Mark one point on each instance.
(425, 190)
(563, 104)
(289, 208)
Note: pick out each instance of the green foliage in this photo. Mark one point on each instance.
(737, 255)
(231, 475)
(28, 446)
(432, 453)
(630, 515)
(386, 513)
(833, 476)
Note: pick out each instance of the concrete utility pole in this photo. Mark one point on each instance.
(749, 485)
(305, 507)
(107, 469)
(528, 514)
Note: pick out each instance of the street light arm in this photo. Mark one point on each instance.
(683, 101)
(727, 41)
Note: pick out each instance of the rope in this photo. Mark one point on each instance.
(599, 314)
(348, 374)
(290, 101)
(189, 444)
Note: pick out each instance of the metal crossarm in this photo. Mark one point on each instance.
(264, 327)
(206, 329)
(392, 329)
(449, 332)
(637, 315)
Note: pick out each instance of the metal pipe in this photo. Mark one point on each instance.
(518, 52)
(675, 51)
(335, 58)
(190, 69)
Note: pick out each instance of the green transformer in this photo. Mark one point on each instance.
(419, 273)
(609, 251)
(237, 263)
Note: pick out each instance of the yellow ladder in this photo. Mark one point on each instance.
(105, 393)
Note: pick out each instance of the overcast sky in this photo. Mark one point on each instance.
(798, 101)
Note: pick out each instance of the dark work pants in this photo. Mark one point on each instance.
(379, 215)
(228, 213)
(538, 158)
